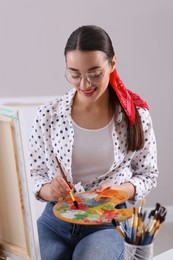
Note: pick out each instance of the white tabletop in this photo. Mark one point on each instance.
(168, 255)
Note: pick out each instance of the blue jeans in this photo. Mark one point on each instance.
(60, 240)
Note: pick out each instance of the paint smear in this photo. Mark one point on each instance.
(94, 208)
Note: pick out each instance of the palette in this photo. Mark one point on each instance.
(94, 208)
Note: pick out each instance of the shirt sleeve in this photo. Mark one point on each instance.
(37, 155)
(144, 162)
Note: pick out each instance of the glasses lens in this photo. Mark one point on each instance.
(93, 78)
(72, 77)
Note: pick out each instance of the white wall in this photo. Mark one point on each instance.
(32, 38)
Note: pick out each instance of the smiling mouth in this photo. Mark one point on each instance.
(89, 91)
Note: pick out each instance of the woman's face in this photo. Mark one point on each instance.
(89, 72)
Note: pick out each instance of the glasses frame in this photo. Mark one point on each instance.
(86, 75)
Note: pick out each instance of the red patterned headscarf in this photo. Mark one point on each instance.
(127, 98)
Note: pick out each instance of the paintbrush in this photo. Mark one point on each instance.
(149, 224)
(140, 228)
(159, 217)
(64, 177)
(139, 213)
(139, 232)
(156, 215)
(132, 226)
(142, 202)
(151, 215)
(158, 223)
(119, 228)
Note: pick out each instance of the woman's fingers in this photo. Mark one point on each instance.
(104, 186)
(59, 187)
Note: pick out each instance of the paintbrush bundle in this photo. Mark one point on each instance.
(142, 230)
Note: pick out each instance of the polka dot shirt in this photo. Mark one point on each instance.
(52, 136)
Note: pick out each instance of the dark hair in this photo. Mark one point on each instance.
(92, 38)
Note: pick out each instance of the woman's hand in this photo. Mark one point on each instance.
(55, 190)
(127, 187)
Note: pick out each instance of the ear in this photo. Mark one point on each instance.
(113, 62)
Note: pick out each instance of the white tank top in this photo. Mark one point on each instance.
(93, 152)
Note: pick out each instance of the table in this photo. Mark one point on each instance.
(168, 255)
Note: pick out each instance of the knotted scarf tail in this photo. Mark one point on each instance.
(127, 98)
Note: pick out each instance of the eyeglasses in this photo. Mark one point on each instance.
(92, 77)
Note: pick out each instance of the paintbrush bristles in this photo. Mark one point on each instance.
(73, 199)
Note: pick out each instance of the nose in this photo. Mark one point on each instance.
(85, 83)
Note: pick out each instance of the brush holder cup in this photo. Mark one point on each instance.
(136, 252)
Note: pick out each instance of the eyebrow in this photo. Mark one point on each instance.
(92, 68)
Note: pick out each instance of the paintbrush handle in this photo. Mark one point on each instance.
(155, 232)
(64, 177)
(62, 172)
(71, 195)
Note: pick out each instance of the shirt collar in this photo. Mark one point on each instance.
(65, 106)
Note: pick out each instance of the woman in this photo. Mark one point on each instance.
(103, 137)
